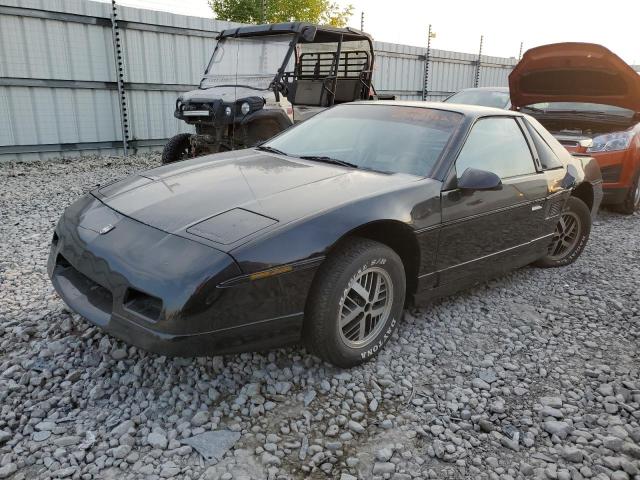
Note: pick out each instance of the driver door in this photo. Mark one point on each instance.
(486, 231)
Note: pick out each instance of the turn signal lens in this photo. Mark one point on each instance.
(271, 272)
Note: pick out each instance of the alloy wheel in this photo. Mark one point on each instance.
(365, 307)
(566, 236)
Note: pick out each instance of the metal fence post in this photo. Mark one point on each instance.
(119, 64)
(427, 59)
(520, 54)
(477, 80)
(362, 21)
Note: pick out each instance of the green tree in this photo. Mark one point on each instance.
(323, 12)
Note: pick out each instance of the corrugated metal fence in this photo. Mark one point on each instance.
(58, 77)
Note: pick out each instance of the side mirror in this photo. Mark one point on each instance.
(473, 179)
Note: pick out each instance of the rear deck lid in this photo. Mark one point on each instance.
(574, 72)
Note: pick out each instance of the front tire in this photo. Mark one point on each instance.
(356, 302)
(177, 148)
(631, 203)
(570, 237)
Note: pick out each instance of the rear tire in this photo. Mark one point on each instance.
(570, 237)
(631, 203)
(177, 148)
(356, 302)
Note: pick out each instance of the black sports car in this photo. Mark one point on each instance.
(324, 233)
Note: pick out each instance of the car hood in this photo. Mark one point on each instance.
(228, 94)
(224, 199)
(574, 72)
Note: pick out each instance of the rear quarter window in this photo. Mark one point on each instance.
(549, 149)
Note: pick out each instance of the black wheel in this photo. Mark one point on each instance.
(177, 148)
(570, 236)
(631, 201)
(356, 301)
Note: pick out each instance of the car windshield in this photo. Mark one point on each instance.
(251, 62)
(386, 138)
(579, 107)
(484, 98)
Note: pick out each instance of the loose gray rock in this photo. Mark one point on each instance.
(157, 440)
(213, 445)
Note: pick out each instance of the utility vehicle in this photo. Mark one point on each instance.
(263, 78)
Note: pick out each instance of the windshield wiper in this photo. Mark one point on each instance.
(324, 159)
(267, 148)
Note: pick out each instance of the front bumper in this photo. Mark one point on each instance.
(161, 292)
(614, 196)
(618, 169)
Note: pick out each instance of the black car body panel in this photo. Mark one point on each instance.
(218, 254)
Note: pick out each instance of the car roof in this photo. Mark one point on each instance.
(488, 89)
(466, 110)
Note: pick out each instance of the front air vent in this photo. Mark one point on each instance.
(555, 208)
(143, 304)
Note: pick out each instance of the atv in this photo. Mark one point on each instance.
(262, 79)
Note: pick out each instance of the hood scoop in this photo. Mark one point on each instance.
(231, 226)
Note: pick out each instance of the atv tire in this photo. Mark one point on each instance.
(177, 148)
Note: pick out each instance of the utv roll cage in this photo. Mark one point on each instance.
(319, 78)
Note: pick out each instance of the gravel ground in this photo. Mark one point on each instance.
(533, 375)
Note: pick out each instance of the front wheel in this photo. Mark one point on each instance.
(356, 302)
(177, 148)
(570, 236)
(631, 201)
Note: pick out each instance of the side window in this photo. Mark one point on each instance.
(497, 145)
(548, 158)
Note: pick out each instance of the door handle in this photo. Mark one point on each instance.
(535, 208)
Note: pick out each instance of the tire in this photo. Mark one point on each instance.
(631, 203)
(177, 148)
(363, 264)
(560, 253)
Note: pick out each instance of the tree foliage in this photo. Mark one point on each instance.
(324, 12)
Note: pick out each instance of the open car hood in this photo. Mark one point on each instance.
(574, 72)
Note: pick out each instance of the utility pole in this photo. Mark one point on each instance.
(264, 11)
(477, 80)
(362, 21)
(427, 59)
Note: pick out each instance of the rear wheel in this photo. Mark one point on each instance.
(631, 201)
(177, 148)
(356, 302)
(570, 236)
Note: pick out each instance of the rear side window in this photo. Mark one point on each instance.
(548, 159)
(496, 144)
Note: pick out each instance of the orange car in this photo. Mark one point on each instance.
(589, 99)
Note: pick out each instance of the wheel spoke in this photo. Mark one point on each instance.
(350, 317)
(376, 293)
(360, 290)
(363, 328)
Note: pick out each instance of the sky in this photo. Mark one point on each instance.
(458, 24)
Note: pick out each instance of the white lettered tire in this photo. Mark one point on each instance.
(356, 302)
